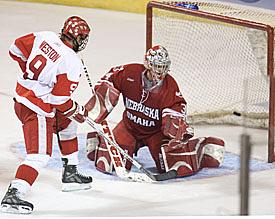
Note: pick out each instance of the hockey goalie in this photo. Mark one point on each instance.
(154, 116)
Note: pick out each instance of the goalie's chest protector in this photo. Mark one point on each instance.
(143, 109)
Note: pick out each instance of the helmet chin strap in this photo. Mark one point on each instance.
(148, 81)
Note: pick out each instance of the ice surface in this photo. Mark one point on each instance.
(119, 38)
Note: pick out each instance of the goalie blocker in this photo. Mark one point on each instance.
(186, 158)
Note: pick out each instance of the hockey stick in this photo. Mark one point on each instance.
(87, 75)
(113, 145)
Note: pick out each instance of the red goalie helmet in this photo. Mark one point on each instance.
(158, 62)
(77, 30)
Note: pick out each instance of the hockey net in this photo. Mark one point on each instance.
(222, 57)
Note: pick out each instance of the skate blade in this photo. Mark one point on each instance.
(16, 209)
(69, 187)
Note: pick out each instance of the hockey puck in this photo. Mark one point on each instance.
(237, 113)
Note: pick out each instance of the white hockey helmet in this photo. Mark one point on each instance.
(158, 62)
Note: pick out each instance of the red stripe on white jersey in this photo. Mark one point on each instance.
(30, 100)
(64, 86)
(42, 135)
(20, 61)
(25, 44)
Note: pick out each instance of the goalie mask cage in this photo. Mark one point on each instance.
(223, 59)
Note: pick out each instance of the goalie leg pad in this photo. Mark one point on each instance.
(103, 162)
(101, 154)
(154, 142)
(97, 151)
(126, 141)
(188, 158)
(213, 153)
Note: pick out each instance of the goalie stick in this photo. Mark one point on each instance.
(116, 156)
(113, 145)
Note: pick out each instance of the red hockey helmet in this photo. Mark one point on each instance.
(158, 62)
(77, 30)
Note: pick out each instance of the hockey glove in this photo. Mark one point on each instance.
(176, 128)
(76, 112)
(173, 145)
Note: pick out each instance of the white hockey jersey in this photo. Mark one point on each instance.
(50, 72)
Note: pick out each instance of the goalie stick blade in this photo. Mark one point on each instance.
(171, 174)
(136, 177)
(141, 177)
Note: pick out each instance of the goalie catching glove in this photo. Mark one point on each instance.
(176, 128)
(76, 112)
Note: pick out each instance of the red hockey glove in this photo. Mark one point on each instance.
(173, 145)
(76, 112)
(176, 128)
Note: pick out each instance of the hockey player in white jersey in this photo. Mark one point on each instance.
(50, 72)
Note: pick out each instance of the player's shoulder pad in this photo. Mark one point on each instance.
(72, 65)
(171, 80)
(135, 66)
(48, 34)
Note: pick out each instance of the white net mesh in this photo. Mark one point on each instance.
(211, 60)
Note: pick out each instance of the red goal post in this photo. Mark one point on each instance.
(215, 51)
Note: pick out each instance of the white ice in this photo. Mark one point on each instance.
(117, 38)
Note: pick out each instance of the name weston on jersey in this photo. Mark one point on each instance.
(49, 51)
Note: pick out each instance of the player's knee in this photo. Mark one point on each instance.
(70, 132)
(36, 161)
